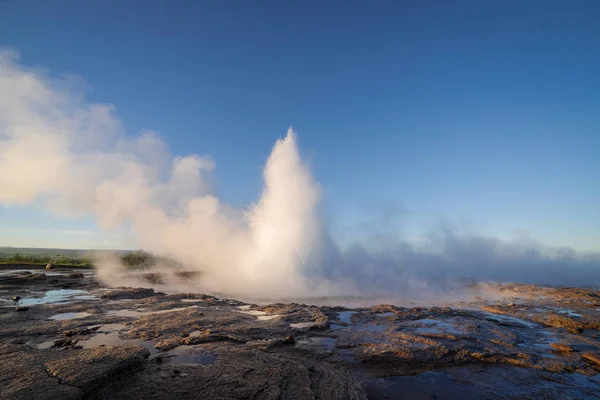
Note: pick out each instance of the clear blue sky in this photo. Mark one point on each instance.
(478, 111)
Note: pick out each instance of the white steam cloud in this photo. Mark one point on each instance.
(74, 156)
(58, 148)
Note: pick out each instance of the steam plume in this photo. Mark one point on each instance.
(73, 156)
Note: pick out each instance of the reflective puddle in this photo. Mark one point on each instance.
(260, 315)
(385, 314)
(509, 320)
(268, 317)
(56, 296)
(302, 325)
(253, 312)
(346, 316)
(316, 343)
(570, 313)
(433, 326)
(70, 315)
(190, 355)
(86, 297)
(108, 335)
(140, 312)
(424, 386)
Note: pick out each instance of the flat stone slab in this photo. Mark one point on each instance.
(88, 369)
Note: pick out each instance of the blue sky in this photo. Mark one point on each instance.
(482, 113)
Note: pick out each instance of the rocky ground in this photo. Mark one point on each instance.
(64, 336)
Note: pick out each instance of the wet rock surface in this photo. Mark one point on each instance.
(78, 340)
(89, 369)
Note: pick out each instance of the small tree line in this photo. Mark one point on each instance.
(132, 260)
(38, 259)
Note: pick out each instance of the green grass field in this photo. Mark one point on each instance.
(79, 258)
(30, 256)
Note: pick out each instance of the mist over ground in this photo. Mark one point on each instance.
(74, 157)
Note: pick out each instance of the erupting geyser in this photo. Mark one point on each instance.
(58, 150)
(70, 154)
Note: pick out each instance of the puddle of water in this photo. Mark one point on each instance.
(260, 315)
(302, 325)
(385, 314)
(52, 296)
(69, 315)
(360, 328)
(346, 316)
(510, 319)
(570, 313)
(424, 386)
(45, 345)
(140, 312)
(425, 331)
(108, 335)
(434, 326)
(268, 317)
(322, 343)
(253, 312)
(191, 355)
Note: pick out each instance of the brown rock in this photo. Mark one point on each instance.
(593, 358)
(563, 348)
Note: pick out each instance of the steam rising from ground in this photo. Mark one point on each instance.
(73, 156)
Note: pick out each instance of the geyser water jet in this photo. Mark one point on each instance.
(58, 150)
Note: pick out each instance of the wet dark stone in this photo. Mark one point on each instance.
(129, 293)
(92, 368)
(82, 331)
(289, 339)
